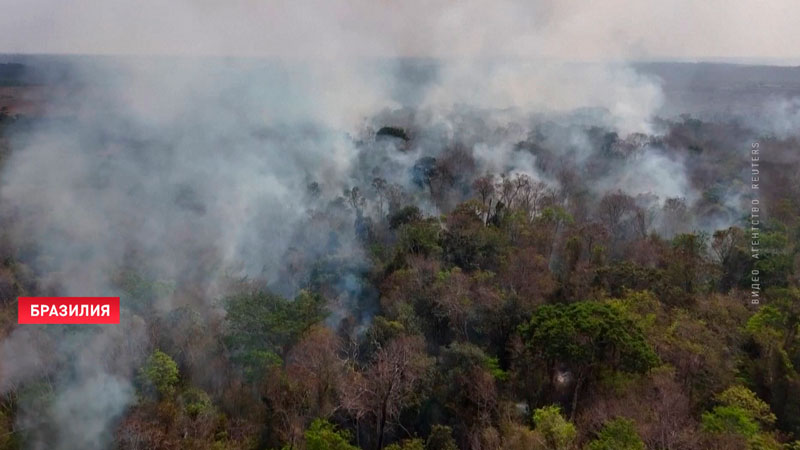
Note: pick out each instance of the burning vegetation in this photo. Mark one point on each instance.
(419, 277)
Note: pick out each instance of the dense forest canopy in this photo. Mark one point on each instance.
(432, 278)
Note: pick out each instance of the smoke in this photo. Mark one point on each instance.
(186, 174)
(189, 171)
(651, 172)
(779, 117)
(193, 171)
(73, 384)
(628, 98)
(70, 407)
(615, 29)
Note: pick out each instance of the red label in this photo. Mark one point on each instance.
(68, 310)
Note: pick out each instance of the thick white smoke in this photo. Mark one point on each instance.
(197, 169)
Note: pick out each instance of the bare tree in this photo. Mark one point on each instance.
(381, 391)
(659, 406)
(484, 186)
(724, 242)
(617, 211)
(508, 188)
(315, 364)
(380, 186)
(453, 301)
(533, 198)
(614, 208)
(675, 217)
(397, 197)
(355, 199)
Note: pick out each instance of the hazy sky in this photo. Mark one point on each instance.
(570, 29)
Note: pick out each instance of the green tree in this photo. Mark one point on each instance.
(159, 373)
(774, 370)
(420, 238)
(467, 383)
(196, 402)
(776, 260)
(588, 336)
(729, 419)
(469, 243)
(618, 434)
(688, 268)
(323, 435)
(408, 444)
(261, 327)
(742, 413)
(441, 438)
(747, 400)
(406, 215)
(556, 431)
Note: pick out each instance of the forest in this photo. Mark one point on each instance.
(546, 283)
